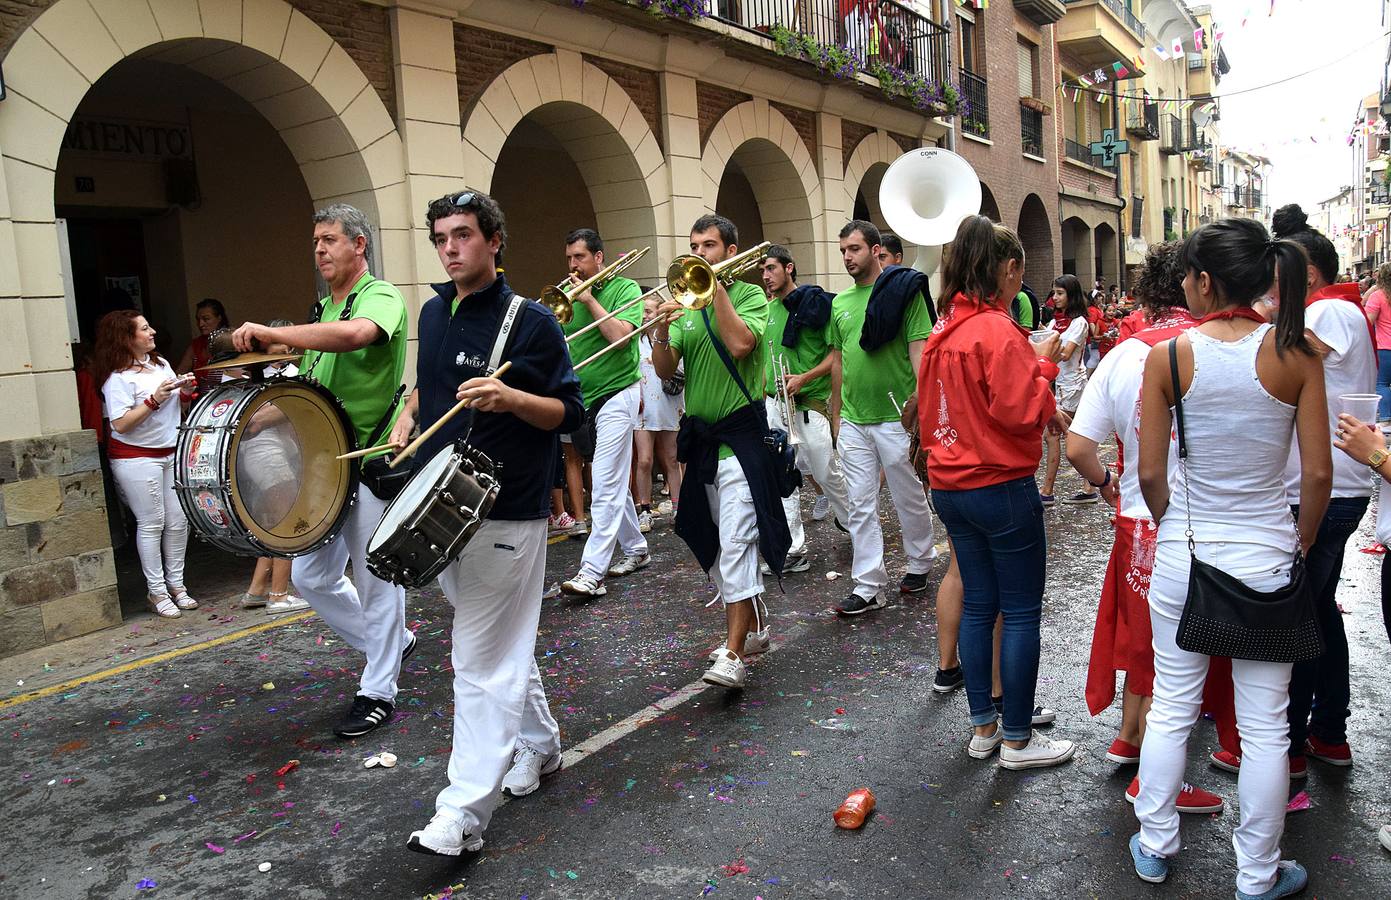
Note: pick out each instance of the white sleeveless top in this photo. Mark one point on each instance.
(1238, 439)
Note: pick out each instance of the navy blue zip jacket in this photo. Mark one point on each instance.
(455, 347)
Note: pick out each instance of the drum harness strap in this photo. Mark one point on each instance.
(316, 312)
(504, 332)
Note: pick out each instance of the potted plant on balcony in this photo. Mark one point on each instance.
(1036, 105)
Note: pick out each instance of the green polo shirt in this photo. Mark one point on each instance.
(616, 369)
(811, 349)
(711, 392)
(365, 380)
(867, 378)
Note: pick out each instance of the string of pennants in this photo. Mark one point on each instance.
(1122, 70)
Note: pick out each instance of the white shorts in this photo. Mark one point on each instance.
(660, 411)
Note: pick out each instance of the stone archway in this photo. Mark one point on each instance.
(758, 144)
(864, 172)
(988, 207)
(1107, 256)
(305, 85)
(1036, 234)
(1077, 248)
(596, 124)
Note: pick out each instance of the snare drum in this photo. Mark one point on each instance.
(255, 470)
(426, 527)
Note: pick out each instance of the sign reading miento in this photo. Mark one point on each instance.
(1108, 147)
(130, 138)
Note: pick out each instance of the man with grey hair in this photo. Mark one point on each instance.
(356, 348)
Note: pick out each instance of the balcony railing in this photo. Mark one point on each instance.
(1244, 197)
(1031, 130)
(887, 33)
(1196, 138)
(1123, 13)
(1170, 134)
(975, 111)
(1083, 154)
(1380, 194)
(1143, 122)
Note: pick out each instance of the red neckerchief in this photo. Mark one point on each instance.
(1171, 324)
(1241, 312)
(1345, 291)
(959, 310)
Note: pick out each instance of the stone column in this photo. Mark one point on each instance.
(826, 226)
(681, 139)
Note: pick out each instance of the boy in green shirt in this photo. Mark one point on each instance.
(612, 399)
(738, 316)
(357, 350)
(804, 313)
(874, 383)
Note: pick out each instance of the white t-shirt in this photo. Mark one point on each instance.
(1350, 368)
(1383, 512)
(1071, 372)
(1111, 403)
(124, 390)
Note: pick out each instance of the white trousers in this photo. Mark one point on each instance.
(865, 450)
(816, 456)
(495, 588)
(735, 572)
(1262, 697)
(613, 521)
(368, 613)
(161, 529)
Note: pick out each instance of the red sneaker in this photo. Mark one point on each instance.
(1190, 799)
(1299, 767)
(1333, 754)
(1122, 752)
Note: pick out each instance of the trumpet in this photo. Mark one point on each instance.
(781, 373)
(559, 298)
(691, 282)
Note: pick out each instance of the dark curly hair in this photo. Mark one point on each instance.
(1159, 286)
(491, 221)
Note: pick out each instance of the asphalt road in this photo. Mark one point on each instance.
(162, 781)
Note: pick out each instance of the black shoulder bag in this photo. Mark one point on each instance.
(1222, 616)
(783, 452)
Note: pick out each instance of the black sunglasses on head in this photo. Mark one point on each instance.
(463, 199)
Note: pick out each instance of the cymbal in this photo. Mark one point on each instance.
(250, 359)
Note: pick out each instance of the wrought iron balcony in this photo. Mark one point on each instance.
(1082, 153)
(1170, 135)
(975, 108)
(1031, 131)
(1143, 122)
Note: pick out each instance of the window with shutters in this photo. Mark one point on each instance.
(1028, 66)
(970, 39)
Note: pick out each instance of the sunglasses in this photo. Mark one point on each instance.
(463, 199)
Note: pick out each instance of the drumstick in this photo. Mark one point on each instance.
(439, 423)
(370, 451)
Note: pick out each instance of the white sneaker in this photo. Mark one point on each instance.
(1039, 753)
(1385, 836)
(283, 603)
(630, 563)
(579, 529)
(728, 671)
(583, 585)
(665, 508)
(790, 566)
(983, 747)
(754, 643)
(443, 837)
(821, 508)
(645, 521)
(528, 766)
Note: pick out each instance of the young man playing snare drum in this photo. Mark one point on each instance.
(504, 735)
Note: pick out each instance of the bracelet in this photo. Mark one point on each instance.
(665, 343)
(1105, 481)
(152, 403)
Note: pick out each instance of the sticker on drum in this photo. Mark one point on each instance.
(211, 508)
(220, 408)
(202, 473)
(193, 447)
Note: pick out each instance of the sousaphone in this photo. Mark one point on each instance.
(924, 196)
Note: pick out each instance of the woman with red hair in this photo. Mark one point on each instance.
(140, 393)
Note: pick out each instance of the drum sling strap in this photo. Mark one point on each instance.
(500, 343)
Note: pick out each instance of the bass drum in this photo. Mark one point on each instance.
(256, 471)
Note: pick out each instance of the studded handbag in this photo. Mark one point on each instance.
(1223, 616)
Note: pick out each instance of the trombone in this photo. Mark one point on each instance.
(559, 298)
(691, 281)
(784, 398)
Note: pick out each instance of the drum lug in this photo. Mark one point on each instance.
(448, 498)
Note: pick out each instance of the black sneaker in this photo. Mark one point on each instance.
(913, 584)
(366, 714)
(410, 648)
(948, 680)
(855, 604)
(1042, 715)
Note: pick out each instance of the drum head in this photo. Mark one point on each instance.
(412, 497)
(286, 485)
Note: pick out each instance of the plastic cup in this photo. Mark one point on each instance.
(1040, 335)
(1363, 407)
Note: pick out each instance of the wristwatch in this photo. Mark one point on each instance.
(1377, 458)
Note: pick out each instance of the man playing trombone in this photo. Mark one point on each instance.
(730, 507)
(612, 400)
(800, 368)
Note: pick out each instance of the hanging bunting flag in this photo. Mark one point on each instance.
(1198, 38)
(1178, 48)
(1102, 97)
(1161, 52)
(1099, 76)
(1084, 80)
(1217, 32)
(1139, 63)
(1121, 70)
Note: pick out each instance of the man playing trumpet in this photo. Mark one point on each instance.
(730, 483)
(612, 401)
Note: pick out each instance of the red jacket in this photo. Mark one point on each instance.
(982, 400)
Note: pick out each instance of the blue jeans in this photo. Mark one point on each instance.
(998, 535)
(1320, 689)
(1384, 384)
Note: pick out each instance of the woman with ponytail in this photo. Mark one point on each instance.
(1247, 388)
(983, 405)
